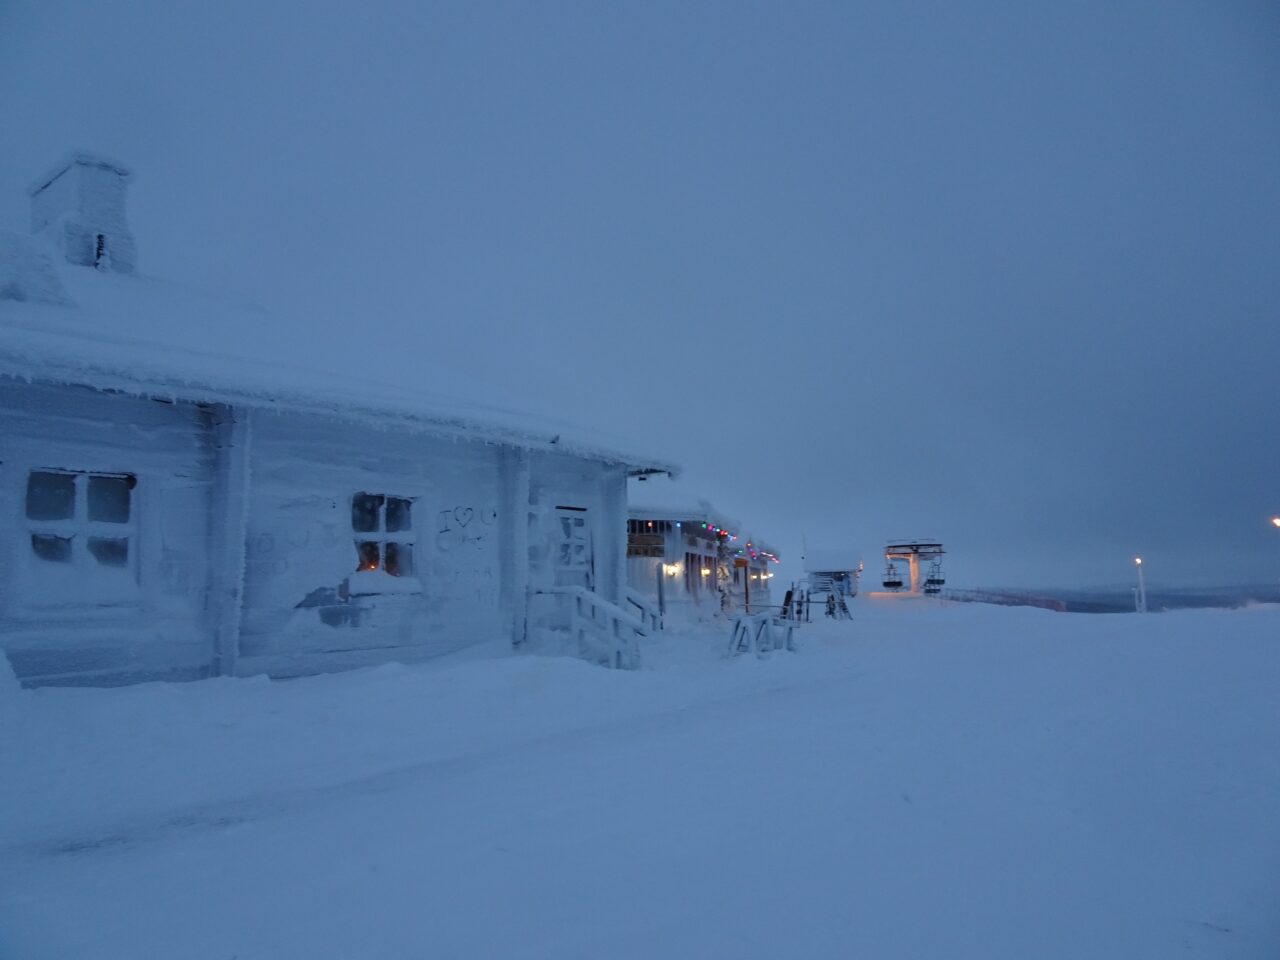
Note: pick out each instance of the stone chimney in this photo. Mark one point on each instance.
(79, 205)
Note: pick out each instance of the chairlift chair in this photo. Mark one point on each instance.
(892, 578)
(934, 581)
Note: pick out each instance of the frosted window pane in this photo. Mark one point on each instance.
(566, 529)
(564, 555)
(109, 499)
(367, 554)
(54, 549)
(398, 515)
(365, 513)
(399, 559)
(51, 496)
(110, 552)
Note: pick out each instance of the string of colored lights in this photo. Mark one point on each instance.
(721, 532)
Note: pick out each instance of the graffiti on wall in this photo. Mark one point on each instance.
(463, 526)
(266, 557)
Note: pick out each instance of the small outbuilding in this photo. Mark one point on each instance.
(175, 514)
(833, 571)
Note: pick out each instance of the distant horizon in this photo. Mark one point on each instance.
(1153, 586)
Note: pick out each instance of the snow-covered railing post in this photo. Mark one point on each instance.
(649, 614)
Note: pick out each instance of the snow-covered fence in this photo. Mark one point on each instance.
(602, 631)
(645, 609)
(761, 632)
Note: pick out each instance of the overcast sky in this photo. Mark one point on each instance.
(1003, 274)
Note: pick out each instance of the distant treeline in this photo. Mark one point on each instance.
(1120, 599)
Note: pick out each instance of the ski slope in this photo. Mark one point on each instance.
(925, 781)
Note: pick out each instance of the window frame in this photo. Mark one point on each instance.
(78, 528)
(381, 537)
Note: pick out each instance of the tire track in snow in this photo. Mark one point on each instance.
(293, 801)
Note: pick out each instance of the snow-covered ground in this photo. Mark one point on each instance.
(926, 781)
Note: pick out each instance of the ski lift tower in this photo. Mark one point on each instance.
(912, 553)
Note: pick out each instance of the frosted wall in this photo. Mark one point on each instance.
(86, 595)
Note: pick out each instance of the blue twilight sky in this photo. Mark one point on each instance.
(1003, 274)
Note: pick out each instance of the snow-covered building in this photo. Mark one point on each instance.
(833, 571)
(171, 513)
(683, 553)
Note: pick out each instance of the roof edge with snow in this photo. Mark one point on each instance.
(69, 160)
(462, 424)
(702, 512)
(41, 352)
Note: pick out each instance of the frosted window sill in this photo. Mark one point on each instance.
(372, 583)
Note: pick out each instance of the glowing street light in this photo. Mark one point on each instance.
(1140, 594)
(1275, 521)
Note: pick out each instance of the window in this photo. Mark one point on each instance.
(81, 518)
(647, 538)
(384, 528)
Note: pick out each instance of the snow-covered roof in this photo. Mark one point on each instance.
(151, 338)
(660, 498)
(70, 159)
(829, 561)
(698, 511)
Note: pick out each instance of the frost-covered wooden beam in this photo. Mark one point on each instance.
(232, 432)
(515, 538)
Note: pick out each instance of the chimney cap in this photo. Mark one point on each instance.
(82, 158)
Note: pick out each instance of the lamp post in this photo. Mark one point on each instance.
(1275, 522)
(1140, 595)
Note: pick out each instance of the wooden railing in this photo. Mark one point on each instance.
(604, 632)
(645, 609)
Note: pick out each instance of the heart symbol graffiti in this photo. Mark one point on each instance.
(463, 515)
